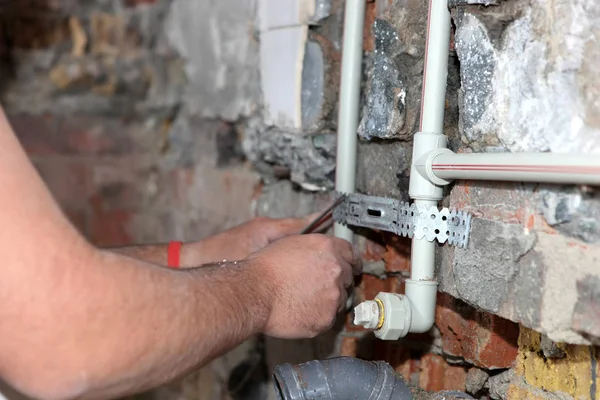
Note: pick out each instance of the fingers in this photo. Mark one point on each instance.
(348, 254)
(342, 301)
(279, 228)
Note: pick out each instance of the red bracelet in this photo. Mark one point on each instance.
(173, 254)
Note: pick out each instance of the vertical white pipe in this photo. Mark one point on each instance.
(435, 76)
(423, 255)
(352, 57)
(421, 289)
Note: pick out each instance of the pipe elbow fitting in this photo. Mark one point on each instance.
(422, 296)
(339, 379)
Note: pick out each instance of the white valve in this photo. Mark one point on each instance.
(367, 314)
(389, 315)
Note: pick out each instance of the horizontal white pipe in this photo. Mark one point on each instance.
(352, 58)
(525, 167)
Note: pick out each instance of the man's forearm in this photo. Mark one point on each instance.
(142, 325)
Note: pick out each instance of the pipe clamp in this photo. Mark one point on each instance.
(404, 219)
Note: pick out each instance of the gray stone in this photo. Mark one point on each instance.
(385, 111)
(322, 10)
(586, 316)
(313, 81)
(486, 270)
(573, 213)
(383, 169)
(476, 379)
(498, 384)
(320, 84)
(531, 82)
(551, 349)
(526, 294)
(477, 68)
(310, 158)
(282, 200)
(222, 57)
(395, 73)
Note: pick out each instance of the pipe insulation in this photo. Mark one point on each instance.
(348, 118)
(339, 378)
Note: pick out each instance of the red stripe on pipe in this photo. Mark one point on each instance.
(513, 166)
(510, 169)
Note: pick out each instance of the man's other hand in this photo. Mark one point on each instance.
(241, 241)
(308, 277)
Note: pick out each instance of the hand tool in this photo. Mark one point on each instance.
(323, 216)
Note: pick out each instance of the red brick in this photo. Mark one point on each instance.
(370, 286)
(109, 227)
(437, 374)
(47, 135)
(404, 360)
(397, 255)
(368, 37)
(95, 136)
(373, 251)
(349, 347)
(432, 373)
(68, 180)
(38, 134)
(483, 339)
(350, 327)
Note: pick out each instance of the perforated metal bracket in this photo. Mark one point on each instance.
(404, 219)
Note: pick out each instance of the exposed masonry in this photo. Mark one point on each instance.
(528, 82)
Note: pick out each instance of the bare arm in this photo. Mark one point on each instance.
(234, 244)
(76, 322)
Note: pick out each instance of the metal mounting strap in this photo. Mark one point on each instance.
(404, 219)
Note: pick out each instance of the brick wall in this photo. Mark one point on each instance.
(118, 106)
(531, 262)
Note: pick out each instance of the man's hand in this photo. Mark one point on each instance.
(308, 276)
(240, 242)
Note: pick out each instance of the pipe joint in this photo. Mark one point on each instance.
(421, 187)
(424, 166)
(422, 296)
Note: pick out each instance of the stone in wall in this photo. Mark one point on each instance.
(528, 72)
(393, 89)
(527, 85)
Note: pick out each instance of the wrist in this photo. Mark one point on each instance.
(193, 254)
(262, 290)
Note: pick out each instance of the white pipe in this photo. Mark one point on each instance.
(352, 58)
(433, 101)
(421, 289)
(442, 166)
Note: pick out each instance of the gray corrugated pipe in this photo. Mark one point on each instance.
(341, 378)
